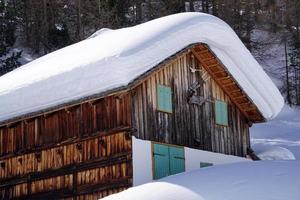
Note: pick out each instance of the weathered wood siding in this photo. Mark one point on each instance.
(99, 164)
(81, 120)
(190, 124)
(83, 151)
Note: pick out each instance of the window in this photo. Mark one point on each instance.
(168, 160)
(205, 164)
(164, 98)
(221, 113)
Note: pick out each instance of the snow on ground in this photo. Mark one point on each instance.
(275, 153)
(283, 131)
(279, 138)
(261, 180)
(107, 61)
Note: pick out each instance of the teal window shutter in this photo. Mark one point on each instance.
(168, 160)
(205, 164)
(161, 161)
(177, 162)
(221, 113)
(164, 98)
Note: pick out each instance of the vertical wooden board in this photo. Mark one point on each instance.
(108, 145)
(153, 113)
(148, 108)
(100, 114)
(10, 141)
(1, 141)
(87, 119)
(179, 120)
(144, 101)
(118, 110)
(141, 113)
(29, 134)
(65, 128)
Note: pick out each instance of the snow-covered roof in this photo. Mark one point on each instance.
(113, 58)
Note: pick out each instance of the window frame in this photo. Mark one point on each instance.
(206, 164)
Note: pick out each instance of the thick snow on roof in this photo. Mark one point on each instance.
(113, 58)
(264, 180)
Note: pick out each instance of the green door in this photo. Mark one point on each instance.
(161, 161)
(176, 160)
(168, 160)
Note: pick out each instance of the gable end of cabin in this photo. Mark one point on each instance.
(192, 101)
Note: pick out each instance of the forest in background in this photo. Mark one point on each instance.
(42, 26)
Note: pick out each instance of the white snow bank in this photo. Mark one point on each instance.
(275, 153)
(283, 131)
(113, 58)
(267, 180)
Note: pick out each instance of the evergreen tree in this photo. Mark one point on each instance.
(8, 59)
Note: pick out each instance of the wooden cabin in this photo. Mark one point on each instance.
(107, 142)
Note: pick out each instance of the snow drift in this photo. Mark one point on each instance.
(275, 153)
(113, 58)
(283, 131)
(267, 180)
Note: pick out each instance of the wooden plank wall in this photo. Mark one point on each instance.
(80, 151)
(78, 121)
(190, 124)
(86, 169)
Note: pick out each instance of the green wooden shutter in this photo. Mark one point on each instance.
(164, 98)
(177, 162)
(221, 113)
(168, 160)
(161, 161)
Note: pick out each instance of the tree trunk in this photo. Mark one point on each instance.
(79, 24)
(45, 26)
(288, 97)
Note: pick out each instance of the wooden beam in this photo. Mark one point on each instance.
(89, 189)
(69, 141)
(229, 84)
(225, 76)
(70, 169)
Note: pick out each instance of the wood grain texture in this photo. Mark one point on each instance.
(58, 127)
(188, 125)
(72, 169)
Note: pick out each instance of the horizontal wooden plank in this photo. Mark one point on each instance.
(35, 176)
(68, 193)
(113, 183)
(69, 141)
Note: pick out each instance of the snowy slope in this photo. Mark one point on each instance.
(113, 58)
(280, 137)
(262, 180)
(283, 131)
